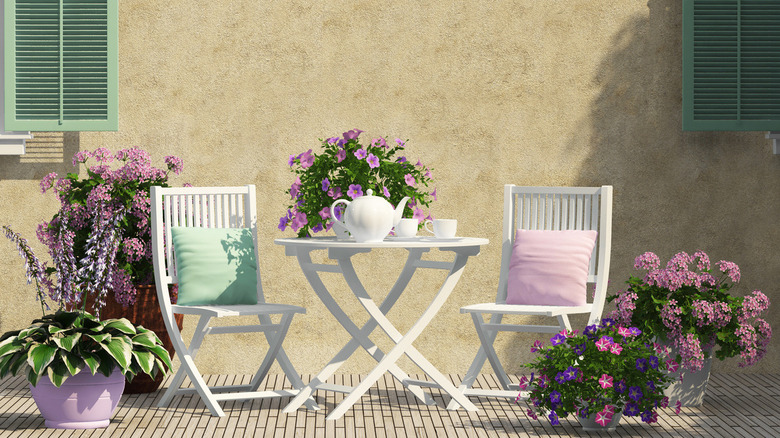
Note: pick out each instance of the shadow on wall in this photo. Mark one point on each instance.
(674, 190)
(47, 152)
(677, 190)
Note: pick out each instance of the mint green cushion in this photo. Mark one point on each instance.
(215, 266)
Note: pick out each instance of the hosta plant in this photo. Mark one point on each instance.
(603, 371)
(62, 344)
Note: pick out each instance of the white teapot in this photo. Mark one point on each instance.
(368, 218)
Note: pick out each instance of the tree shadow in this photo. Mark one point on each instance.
(675, 190)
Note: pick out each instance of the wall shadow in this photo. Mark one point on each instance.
(677, 190)
(46, 152)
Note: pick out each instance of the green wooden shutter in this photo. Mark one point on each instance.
(61, 65)
(731, 65)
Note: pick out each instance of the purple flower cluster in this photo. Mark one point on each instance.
(347, 168)
(100, 240)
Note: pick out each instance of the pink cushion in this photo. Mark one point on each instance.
(550, 267)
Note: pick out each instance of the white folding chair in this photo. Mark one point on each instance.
(215, 207)
(541, 208)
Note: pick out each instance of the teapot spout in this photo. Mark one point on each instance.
(399, 211)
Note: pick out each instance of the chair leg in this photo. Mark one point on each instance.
(479, 361)
(486, 340)
(277, 337)
(188, 367)
(563, 321)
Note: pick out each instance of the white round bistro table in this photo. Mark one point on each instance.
(342, 251)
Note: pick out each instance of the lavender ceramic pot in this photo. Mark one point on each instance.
(84, 401)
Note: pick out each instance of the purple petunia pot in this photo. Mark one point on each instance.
(83, 401)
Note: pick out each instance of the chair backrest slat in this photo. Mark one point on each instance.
(560, 208)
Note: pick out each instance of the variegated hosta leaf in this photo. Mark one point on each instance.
(100, 338)
(147, 339)
(162, 353)
(145, 360)
(67, 342)
(121, 324)
(92, 361)
(121, 349)
(9, 346)
(57, 373)
(72, 361)
(33, 377)
(39, 356)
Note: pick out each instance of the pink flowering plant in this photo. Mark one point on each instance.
(692, 310)
(100, 239)
(606, 370)
(346, 168)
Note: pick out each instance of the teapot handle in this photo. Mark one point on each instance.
(333, 211)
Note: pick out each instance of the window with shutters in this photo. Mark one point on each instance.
(60, 65)
(731, 65)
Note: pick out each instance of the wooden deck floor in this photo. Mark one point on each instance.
(735, 406)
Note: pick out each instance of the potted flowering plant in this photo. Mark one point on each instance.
(76, 364)
(347, 168)
(599, 375)
(692, 311)
(108, 212)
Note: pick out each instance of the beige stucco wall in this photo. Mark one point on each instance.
(575, 92)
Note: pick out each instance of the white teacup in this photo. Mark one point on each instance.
(406, 228)
(443, 228)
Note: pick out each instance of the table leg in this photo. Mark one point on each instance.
(403, 343)
(359, 335)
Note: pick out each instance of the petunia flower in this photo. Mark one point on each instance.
(360, 153)
(615, 349)
(603, 418)
(631, 409)
(523, 383)
(341, 155)
(385, 192)
(409, 180)
(621, 387)
(622, 331)
(325, 184)
(570, 373)
(603, 344)
(672, 366)
(434, 195)
(677, 407)
(553, 418)
(307, 159)
(531, 414)
(537, 346)
(560, 378)
(355, 191)
(653, 362)
(373, 161)
(325, 213)
(606, 381)
(635, 393)
(558, 339)
(555, 397)
(641, 364)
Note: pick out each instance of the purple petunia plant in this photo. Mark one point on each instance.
(348, 168)
(100, 239)
(692, 311)
(605, 370)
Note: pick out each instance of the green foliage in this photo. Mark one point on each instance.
(62, 344)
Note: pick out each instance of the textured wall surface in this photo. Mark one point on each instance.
(575, 92)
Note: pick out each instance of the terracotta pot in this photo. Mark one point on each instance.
(83, 401)
(145, 312)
